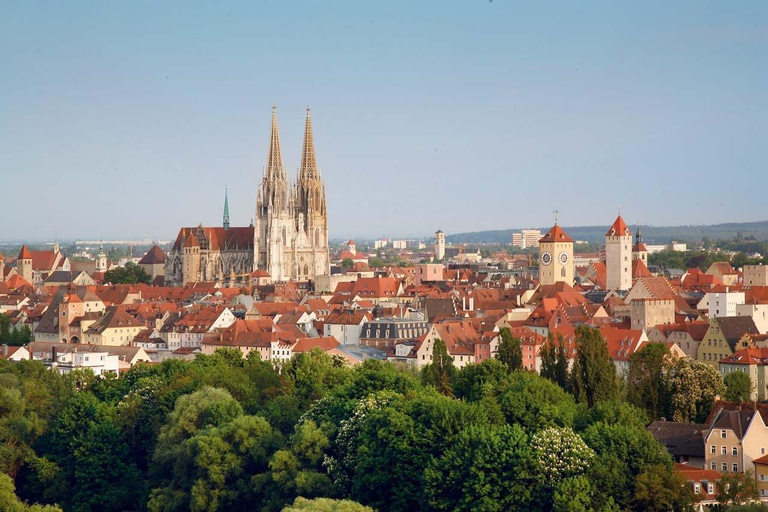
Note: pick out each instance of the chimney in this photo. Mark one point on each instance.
(5, 349)
(54, 359)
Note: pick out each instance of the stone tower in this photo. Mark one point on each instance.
(618, 255)
(311, 257)
(291, 231)
(639, 250)
(191, 259)
(439, 245)
(556, 257)
(24, 264)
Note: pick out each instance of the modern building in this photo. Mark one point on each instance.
(526, 238)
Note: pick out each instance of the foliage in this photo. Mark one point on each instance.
(131, 273)
(647, 382)
(440, 372)
(693, 387)
(738, 386)
(554, 361)
(9, 502)
(560, 454)
(659, 489)
(325, 505)
(593, 375)
(510, 351)
(11, 336)
(737, 488)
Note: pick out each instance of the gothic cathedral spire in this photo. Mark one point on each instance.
(226, 210)
(274, 158)
(308, 163)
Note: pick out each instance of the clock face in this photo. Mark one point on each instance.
(563, 258)
(546, 258)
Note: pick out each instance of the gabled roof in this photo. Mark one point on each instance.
(639, 269)
(734, 327)
(114, 317)
(556, 234)
(217, 239)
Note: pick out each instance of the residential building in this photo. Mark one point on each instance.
(346, 326)
(718, 304)
(526, 238)
(736, 435)
(388, 332)
(683, 441)
(648, 313)
(724, 337)
(114, 327)
(725, 272)
(758, 311)
(753, 361)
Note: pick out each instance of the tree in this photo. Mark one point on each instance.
(439, 373)
(510, 351)
(9, 502)
(486, 468)
(737, 488)
(647, 382)
(694, 386)
(347, 263)
(738, 386)
(560, 453)
(325, 505)
(658, 488)
(131, 273)
(554, 361)
(535, 403)
(573, 494)
(593, 376)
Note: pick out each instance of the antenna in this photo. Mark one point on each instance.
(556, 212)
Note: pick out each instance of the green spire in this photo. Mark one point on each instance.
(226, 210)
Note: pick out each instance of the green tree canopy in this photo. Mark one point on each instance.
(738, 386)
(510, 351)
(593, 375)
(131, 273)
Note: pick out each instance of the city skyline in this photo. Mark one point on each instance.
(121, 121)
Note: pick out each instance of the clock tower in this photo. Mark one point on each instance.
(556, 257)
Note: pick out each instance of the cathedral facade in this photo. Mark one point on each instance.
(289, 239)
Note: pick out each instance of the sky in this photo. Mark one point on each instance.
(128, 119)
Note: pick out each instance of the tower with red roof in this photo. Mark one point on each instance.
(556, 257)
(24, 264)
(618, 256)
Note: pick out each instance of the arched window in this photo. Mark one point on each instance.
(317, 237)
(284, 235)
(306, 270)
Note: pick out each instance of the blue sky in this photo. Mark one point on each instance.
(128, 119)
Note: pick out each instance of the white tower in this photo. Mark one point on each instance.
(439, 245)
(101, 260)
(618, 256)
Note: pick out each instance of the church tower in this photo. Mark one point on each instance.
(274, 230)
(618, 254)
(439, 245)
(556, 257)
(191, 260)
(225, 222)
(101, 260)
(311, 257)
(639, 250)
(24, 264)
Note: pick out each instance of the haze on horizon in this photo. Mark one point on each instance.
(127, 120)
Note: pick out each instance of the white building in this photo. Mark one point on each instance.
(526, 238)
(399, 244)
(719, 304)
(380, 244)
(758, 312)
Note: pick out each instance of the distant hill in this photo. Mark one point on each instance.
(651, 234)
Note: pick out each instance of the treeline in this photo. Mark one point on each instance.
(651, 234)
(226, 433)
(701, 259)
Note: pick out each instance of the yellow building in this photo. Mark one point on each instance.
(115, 327)
(556, 257)
(725, 336)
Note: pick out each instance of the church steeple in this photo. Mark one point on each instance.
(226, 210)
(274, 158)
(308, 163)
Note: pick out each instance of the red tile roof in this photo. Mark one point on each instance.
(618, 228)
(556, 234)
(154, 256)
(25, 254)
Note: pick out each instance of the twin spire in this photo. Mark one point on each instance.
(308, 167)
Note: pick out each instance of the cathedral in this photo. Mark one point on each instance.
(289, 240)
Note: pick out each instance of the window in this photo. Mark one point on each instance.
(713, 465)
(724, 450)
(722, 434)
(735, 450)
(710, 488)
(735, 468)
(762, 451)
(762, 478)
(725, 467)
(697, 488)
